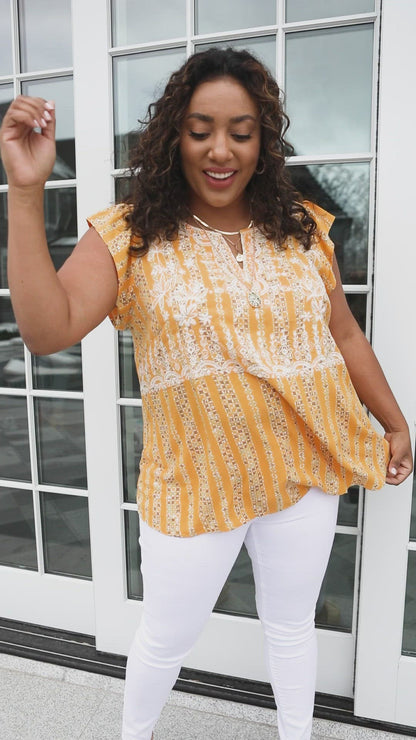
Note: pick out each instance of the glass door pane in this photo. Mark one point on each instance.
(263, 47)
(60, 371)
(60, 90)
(14, 439)
(212, 16)
(305, 10)
(138, 80)
(132, 445)
(17, 529)
(45, 34)
(343, 190)
(59, 425)
(131, 24)
(329, 76)
(6, 97)
(12, 361)
(66, 535)
(6, 59)
(409, 626)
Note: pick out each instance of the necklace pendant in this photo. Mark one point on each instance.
(239, 257)
(254, 299)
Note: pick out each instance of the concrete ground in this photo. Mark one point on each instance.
(41, 701)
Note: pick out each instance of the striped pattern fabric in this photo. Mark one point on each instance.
(246, 404)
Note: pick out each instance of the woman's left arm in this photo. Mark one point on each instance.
(370, 383)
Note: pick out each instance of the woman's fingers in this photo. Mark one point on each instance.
(28, 154)
(28, 112)
(401, 460)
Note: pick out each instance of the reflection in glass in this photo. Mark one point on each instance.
(132, 445)
(238, 593)
(307, 10)
(165, 19)
(139, 79)
(334, 609)
(60, 439)
(329, 89)
(343, 190)
(60, 223)
(264, 48)
(59, 89)
(409, 626)
(14, 439)
(3, 239)
(348, 507)
(6, 97)
(358, 305)
(129, 384)
(413, 519)
(61, 371)
(66, 535)
(45, 34)
(133, 556)
(121, 188)
(12, 360)
(6, 59)
(17, 529)
(215, 16)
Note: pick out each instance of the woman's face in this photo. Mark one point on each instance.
(219, 146)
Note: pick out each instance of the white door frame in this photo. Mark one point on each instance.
(386, 680)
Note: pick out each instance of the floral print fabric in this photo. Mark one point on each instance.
(245, 407)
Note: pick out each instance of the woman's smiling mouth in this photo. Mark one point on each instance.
(220, 178)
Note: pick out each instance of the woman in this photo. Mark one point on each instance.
(249, 361)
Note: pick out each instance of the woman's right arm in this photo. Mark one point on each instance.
(53, 310)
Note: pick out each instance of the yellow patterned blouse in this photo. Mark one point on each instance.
(247, 402)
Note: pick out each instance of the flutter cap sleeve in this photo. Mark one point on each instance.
(322, 246)
(111, 225)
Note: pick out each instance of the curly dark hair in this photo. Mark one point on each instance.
(158, 190)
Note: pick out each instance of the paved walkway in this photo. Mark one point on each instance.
(41, 701)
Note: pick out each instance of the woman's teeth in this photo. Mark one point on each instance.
(219, 175)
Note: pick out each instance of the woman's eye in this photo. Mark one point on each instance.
(198, 136)
(241, 137)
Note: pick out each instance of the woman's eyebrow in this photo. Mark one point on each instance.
(245, 117)
(210, 119)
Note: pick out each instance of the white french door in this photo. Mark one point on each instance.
(45, 562)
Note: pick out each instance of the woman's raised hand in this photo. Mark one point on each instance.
(28, 156)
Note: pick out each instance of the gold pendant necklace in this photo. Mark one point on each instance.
(212, 228)
(253, 297)
(234, 246)
(225, 234)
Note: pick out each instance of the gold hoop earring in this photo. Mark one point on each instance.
(261, 167)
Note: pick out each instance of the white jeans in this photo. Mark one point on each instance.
(183, 577)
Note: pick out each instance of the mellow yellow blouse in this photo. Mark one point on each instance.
(247, 401)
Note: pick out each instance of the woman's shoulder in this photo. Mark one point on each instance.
(111, 222)
(322, 218)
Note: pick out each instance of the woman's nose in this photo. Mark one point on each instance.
(220, 151)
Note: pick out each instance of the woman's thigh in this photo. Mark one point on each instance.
(289, 552)
(182, 578)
